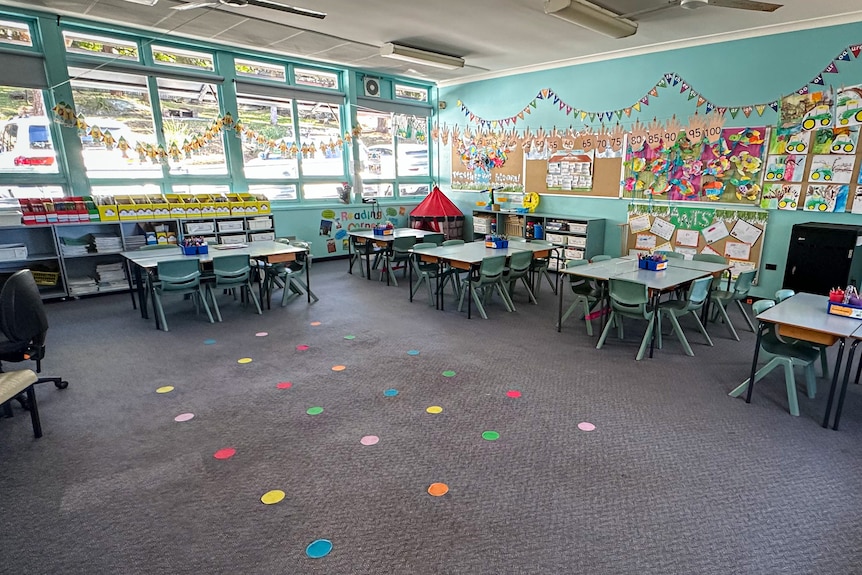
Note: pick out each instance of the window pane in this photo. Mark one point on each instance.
(377, 190)
(26, 144)
(190, 112)
(259, 70)
(275, 192)
(320, 191)
(201, 189)
(124, 190)
(269, 148)
(411, 93)
(15, 33)
(100, 46)
(319, 134)
(412, 157)
(376, 147)
(413, 190)
(7, 191)
(119, 140)
(315, 78)
(182, 58)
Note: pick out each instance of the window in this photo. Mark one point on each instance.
(192, 127)
(32, 192)
(16, 33)
(26, 143)
(182, 58)
(269, 147)
(320, 191)
(315, 78)
(412, 150)
(124, 190)
(319, 137)
(411, 93)
(413, 190)
(260, 70)
(100, 46)
(210, 190)
(275, 191)
(118, 140)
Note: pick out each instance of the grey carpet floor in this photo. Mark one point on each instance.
(676, 478)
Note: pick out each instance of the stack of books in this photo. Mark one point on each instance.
(111, 276)
(107, 243)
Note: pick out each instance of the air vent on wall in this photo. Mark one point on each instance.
(372, 86)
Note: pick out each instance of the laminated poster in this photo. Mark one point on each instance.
(745, 232)
(687, 252)
(857, 201)
(786, 168)
(737, 250)
(739, 266)
(789, 141)
(848, 106)
(688, 238)
(780, 196)
(665, 247)
(639, 223)
(835, 140)
(709, 250)
(715, 232)
(645, 242)
(831, 169)
(662, 228)
(826, 198)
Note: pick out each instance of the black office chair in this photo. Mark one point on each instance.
(23, 324)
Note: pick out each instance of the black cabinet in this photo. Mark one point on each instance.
(823, 256)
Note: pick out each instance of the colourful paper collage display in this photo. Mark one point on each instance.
(727, 171)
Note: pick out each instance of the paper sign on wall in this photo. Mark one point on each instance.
(737, 250)
(665, 247)
(687, 238)
(739, 266)
(745, 232)
(645, 242)
(662, 228)
(688, 252)
(715, 232)
(639, 224)
(709, 250)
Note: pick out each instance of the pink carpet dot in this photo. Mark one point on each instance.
(586, 426)
(184, 417)
(369, 440)
(513, 393)
(284, 385)
(315, 323)
(261, 334)
(301, 348)
(225, 453)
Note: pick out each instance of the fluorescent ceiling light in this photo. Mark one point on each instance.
(424, 57)
(592, 17)
(144, 2)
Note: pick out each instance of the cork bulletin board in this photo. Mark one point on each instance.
(606, 178)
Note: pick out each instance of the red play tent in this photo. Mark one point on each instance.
(437, 213)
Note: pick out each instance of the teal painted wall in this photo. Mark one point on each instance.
(737, 73)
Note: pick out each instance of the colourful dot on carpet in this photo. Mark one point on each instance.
(338, 367)
(272, 497)
(314, 410)
(315, 323)
(438, 489)
(448, 373)
(586, 426)
(490, 435)
(301, 348)
(319, 548)
(261, 334)
(209, 341)
(413, 352)
(244, 360)
(513, 393)
(349, 337)
(369, 440)
(225, 453)
(390, 392)
(284, 385)
(434, 409)
(184, 417)
(165, 389)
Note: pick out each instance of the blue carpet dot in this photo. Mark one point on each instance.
(413, 352)
(390, 392)
(209, 341)
(319, 548)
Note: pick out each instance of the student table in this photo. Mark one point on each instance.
(372, 239)
(273, 252)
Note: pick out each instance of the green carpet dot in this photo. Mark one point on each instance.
(349, 337)
(314, 410)
(490, 435)
(448, 373)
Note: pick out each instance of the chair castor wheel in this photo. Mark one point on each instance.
(62, 384)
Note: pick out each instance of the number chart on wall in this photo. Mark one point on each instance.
(734, 234)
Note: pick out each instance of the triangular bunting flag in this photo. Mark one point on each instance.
(494, 124)
(684, 88)
(692, 94)
(845, 55)
(592, 116)
(619, 114)
(645, 100)
(700, 101)
(601, 116)
(583, 115)
(747, 110)
(557, 100)
(460, 103)
(472, 117)
(562, 105)
(568, 110)
(760, 109)
(527, 109)
(802, 91)
(774, 105)
(676, 79)
(734, 112)
(668, 77)
(856, 48)
(551, 93)
(721, 111)
(637, 107)
(542, 93)
(521, 115)
(628, 112)
(533, 103)
(662, 83)
(818, 80)
(832, 68)
(654, 92)
(709, 107)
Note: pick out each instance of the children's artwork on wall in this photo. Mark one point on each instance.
(570, 170)
(791, 140)
(780, 196)
(826, 198)
(787, 168)
(835, 140)
(809, 111)
(848, 107)
(857, 201)
(832, 168)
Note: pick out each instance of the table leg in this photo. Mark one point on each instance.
(847, 369)
(367, 259)
(131, 287)
(834, 386)
(560, 306)
(760, 329)
(439, 293)
(308, 274)
(142, 292)
(350, 257)
(470, 293)
(655, 299)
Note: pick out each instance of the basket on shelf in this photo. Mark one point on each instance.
(46, 279)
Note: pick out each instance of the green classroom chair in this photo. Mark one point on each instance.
(692, 303)
(490, 278)
(541, 267)
(672, 255)
(178, 277)
(738, 292)
(782, 295)
(519, 269)
(398, 257)
(428, 271)
(436, 239)
(600, 258)
(629, 299)
(229, 273)
(586, 296)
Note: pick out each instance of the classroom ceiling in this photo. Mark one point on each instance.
(494, 37)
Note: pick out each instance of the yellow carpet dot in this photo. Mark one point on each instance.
(165, 389)
(272, 497)
(244, 360)
(434, 409)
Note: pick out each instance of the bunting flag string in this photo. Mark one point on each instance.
(667, 80)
